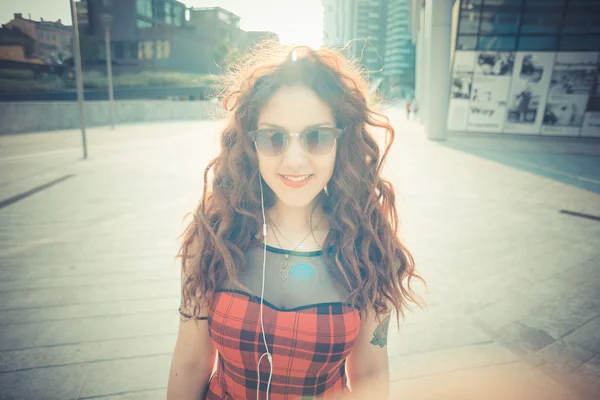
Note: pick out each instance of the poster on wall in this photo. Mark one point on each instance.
(460, 93)
(491, 79)
(528, 90)
(591, 119)
(572, 81)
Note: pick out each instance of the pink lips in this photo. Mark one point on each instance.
(294, 184)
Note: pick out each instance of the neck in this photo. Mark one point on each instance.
(296, 223)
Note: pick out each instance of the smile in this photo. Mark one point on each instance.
(295, 182)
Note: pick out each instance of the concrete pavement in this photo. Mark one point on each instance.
(89, 289)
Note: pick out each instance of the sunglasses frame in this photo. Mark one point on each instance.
(337, 132)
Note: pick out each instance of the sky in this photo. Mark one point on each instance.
(295, 21)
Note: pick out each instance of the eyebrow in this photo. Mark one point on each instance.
(321, 124)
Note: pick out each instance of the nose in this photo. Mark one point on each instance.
(295, 156)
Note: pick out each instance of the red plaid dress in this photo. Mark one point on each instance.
(309, 346)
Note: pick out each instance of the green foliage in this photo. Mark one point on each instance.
(149, 79)
(19, 81)
(225, 53)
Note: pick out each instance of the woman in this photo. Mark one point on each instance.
(298, 312)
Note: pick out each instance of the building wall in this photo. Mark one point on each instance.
(215, 25)
(53, 38)
(54, 41)
(25, 25)
(12, 52)
(123, 12)
(528, 68)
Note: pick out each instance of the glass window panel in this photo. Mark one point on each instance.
(583, 2)
(143, 24)
(469, 21)
(168, 13)
(536, 22)
(470, 4)
(582, 20)
(497, 43)
(144, 7)
(544, 3)
(537, 43)
(499, 20)
(580, 42)
(503, 2)
(466, 42)
(177, 15)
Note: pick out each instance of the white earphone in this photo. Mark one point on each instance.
(262, 296)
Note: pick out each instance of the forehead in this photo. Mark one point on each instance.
(294, 108)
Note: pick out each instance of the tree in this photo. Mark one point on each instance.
(224, 53)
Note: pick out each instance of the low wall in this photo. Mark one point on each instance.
(46, 116)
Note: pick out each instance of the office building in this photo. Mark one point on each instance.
(363, 22)
(145, 35)
(399, 60)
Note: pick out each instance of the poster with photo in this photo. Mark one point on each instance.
(491, 80)
(572, 82)
(573, 74)
(563, 115)
(460, 93)
(494, 63)
(591, 119)
(528, 90)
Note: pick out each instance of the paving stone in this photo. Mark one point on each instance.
(515, 381)
(564, 314)
(529, 339)
(590, 370)
(88, 294)
(98, 309)
(152, 394)
(407, 366)
(88, 329)
(82, 353)
(574, 349)
(416, 338)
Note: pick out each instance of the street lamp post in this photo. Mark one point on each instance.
(78, 76)
(107, 21)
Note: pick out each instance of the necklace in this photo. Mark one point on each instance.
(284, 268)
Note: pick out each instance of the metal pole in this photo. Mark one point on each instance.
(111, 99)
(79, 77)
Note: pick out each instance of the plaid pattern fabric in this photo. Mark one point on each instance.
(309, 346)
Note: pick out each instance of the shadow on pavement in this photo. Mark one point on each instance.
(580, 170)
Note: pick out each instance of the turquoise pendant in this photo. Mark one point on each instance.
(302, 272)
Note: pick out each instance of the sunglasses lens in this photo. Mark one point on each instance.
(271, 143)
(319, 141)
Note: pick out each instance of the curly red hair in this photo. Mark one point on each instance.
(369, 258)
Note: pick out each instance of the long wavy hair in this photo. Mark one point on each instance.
(368, 257)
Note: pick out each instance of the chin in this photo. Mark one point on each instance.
(296, 198)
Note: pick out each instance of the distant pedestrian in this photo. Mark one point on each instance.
(415, 108)
(408, 109)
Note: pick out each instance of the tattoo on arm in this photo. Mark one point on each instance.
(381, 333)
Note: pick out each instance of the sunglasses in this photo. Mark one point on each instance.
(316, 141)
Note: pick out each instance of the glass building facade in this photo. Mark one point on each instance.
(399, 65)
(526, 67)
(559, 25)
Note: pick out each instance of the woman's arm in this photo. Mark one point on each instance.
(193, 361)
(367, 365)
